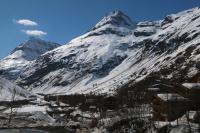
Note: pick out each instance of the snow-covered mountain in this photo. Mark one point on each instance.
(10, 91)
(22, 55)
(115, 52)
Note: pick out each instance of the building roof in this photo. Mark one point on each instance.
(171, 97)
(192, 85)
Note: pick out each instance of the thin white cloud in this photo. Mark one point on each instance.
(36, 33)
(26, 22)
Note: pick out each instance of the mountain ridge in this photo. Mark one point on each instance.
(110, 56)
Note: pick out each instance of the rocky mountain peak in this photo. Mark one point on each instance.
(36, 46)
(11, 65)
(116, 18)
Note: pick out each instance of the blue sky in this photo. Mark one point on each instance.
(62, 20)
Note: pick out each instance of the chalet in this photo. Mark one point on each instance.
(110, 102)
(90, 101)
(195, 78)
(93, 109)
(58, 105)
(55, 109)
(171, 101)
(193, 91)
(72, 100)
(16, 103)
(168, 107)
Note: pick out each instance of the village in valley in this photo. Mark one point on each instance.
(163, 106)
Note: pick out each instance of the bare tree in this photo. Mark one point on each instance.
(11, 106)
(1, 88)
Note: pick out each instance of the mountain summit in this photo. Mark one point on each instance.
(116, 18)
(33, 48)
(116, 23)
(18, 59)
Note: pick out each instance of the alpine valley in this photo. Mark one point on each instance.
(96, 81)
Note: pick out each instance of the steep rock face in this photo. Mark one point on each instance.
(116, 52)
(146, 28)
(115, 18)
(22, 55)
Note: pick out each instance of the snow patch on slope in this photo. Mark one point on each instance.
(8, 89)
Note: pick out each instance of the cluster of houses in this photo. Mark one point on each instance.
(170, 101)
(65, 104)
